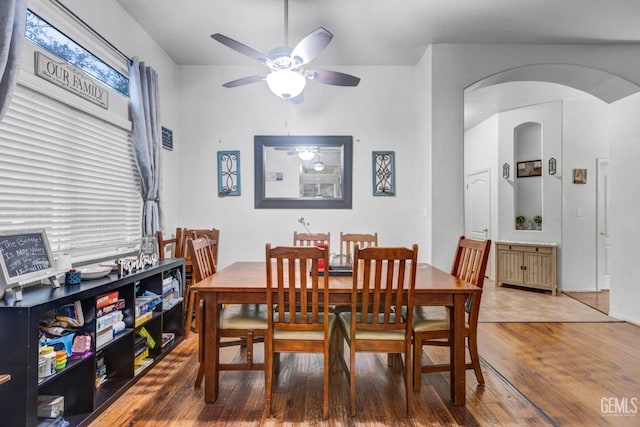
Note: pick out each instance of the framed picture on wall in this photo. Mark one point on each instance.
(529, 168)
(579, 176)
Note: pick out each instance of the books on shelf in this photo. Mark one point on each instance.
(147, 336)
(143, 318)
(167, 338)
(114, 306)
(139, 358)
(146, 303)
(107, 321)
(101, 370)
(104, 336)
(105, 300)
(170, 303)
(142, 365)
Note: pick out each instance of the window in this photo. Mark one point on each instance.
(70, 173)
(65, 166)
(48, 37)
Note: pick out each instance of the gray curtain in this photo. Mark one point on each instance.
(145, 114)
(12, 24)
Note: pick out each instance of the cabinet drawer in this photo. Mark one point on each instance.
(523, 248)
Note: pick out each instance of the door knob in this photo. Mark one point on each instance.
(602, 233)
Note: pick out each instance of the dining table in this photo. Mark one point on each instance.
(245, 282)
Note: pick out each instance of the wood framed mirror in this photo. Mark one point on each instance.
(303, 172)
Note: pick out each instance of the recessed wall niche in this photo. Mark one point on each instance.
(528, 181)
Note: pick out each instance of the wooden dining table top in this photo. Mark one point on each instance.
(251, 276)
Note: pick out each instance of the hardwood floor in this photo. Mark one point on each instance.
(597, 300)
(536, 374)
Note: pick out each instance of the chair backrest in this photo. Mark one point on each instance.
(311, 239)
(213, 234)
(202, 262)
(296, 268)
(387, 276)
(349, 240)
(177, 249)
(470, 260)
(470, 264)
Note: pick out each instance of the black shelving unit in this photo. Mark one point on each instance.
(83, 400)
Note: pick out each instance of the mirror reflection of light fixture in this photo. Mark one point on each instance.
(318, 166)
(306, 155)
(505, 171)
(552, 166)
(286, 83)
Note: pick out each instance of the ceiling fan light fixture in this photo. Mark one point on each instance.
(318, 166)
(286, 84)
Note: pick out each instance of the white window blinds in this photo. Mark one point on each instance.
(70, 173)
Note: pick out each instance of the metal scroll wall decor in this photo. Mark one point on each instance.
(228, 173)
(384, 180)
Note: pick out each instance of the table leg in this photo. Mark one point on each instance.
(458, 384)
(209, 329)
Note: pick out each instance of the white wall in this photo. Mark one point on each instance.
(624, 226)
(585, 139)
(378, 113)
(422, 155)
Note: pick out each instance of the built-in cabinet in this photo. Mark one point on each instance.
(531, 265)
(85, 396)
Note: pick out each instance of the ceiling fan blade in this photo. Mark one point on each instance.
(311, 46)
(246, 80)
(333, 78)
(297, 99)
(242, 48)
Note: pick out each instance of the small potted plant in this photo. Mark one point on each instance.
(538, 220)
(520, 219)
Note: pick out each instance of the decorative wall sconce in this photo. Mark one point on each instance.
(505, 171)
(552, 166)
(228, 173)
(384, 179)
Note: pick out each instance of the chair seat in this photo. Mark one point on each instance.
(281, 334)
(244, 316)
(363, 334)
(431, 318)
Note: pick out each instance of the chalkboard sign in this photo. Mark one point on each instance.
(24, 256)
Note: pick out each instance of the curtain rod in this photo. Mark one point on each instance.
(91, 29)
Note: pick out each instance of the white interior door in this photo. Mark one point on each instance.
(602, 197)
(478, 209)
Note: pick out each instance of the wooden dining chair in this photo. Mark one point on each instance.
(173, 246)
(213, 235)
(349, 240)
(248, 322)
(431, 324)
(387, 277)
(311, 239)
(298, 319)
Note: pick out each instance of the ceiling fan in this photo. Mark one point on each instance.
(287, 75)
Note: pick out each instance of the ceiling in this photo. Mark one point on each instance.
(377, 32)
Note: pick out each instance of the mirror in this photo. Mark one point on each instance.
(303, 172)
(528, 192)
